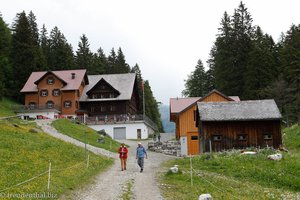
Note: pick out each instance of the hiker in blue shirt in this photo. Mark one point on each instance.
(140, 155)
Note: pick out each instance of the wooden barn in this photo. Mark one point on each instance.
(183, 113)
(227, 125)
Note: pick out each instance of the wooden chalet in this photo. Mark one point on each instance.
(227, 125)
(183, 113)
(110, 95)
(53, 93)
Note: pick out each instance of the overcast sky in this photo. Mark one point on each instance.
(165, 37)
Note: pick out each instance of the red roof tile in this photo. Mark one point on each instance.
(65, 75)
(177, 105)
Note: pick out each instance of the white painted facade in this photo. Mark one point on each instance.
(132, 129)
(183, 146)
(34, 115)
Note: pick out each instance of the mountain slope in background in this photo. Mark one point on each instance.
(168, 126)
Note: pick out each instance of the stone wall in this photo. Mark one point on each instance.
(171, 147)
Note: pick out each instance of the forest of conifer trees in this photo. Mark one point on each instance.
(24, 49)
(246, 62)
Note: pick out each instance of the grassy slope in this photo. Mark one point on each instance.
(231, 175)
(5, 107)
(77, 131)
(25, 155)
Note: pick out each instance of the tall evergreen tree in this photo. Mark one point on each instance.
(111, 62)
(140, 84)
(151, 106)
(290, 63)
(121, 66)
(61, 55)
(194, 85)
(99, 62)
(5, 67)
(44, 44)
(24, 54)
(84, 56)
(261, 69)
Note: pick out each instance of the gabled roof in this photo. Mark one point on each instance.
(123, 83)
(221, 94)
(239, 111)
(177, 105)
(102, 80)
(64, 75)
(49, 72)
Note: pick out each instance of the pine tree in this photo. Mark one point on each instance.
(151, 106)
(140, 84)
(121, 65)
(194, 85)
(5, 67)
(44, 44)
(111, 62)
(99, 62)
(261, 69)
(24, 53)
(290, 64)
(84, 56)
(61, 55)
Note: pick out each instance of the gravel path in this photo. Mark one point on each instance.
(111, 184)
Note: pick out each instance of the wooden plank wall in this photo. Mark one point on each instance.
(254, 130)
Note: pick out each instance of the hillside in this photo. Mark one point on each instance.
(6, 107)
(231, 175)
(25, 156)
(168, 126)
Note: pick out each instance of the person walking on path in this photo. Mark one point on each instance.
(140, 155)
(158, 136)
(123, 156)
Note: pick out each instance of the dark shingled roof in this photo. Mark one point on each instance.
(123, 83)
(239, 111)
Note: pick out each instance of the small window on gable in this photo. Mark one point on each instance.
(50, 81)
(67, 104)
(242, 137)
(50, 104)
(217, 138)
(44, 93)
(268, 136)
(56, 92)
(111, 95)
(102, 87)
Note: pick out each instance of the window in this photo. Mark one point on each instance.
(44, 93)
(102, 108)
(67, 104)
(111, 95)
(50, 104)
(102, 87)
(268, 136)
(92, 109)
(194, 137)
(56, 92)
(242, 137)
(32, 105)
(217, 137)
(112, 108)
(50, 81)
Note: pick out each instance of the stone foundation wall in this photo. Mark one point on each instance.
(169, 148)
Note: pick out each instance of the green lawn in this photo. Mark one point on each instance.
(78, 132)
(235, 176)
(25, 155)
(6, 107)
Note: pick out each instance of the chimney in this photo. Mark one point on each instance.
(73, 75)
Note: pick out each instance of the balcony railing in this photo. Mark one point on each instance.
(31, 108)
(114, 119)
